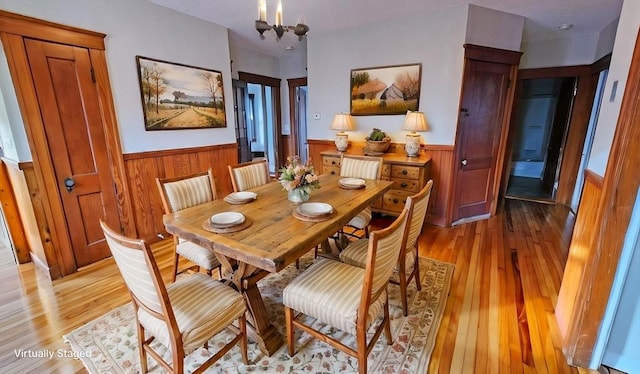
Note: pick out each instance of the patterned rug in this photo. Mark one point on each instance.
(109, 344)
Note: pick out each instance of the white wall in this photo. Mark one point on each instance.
(494, 28)
(569, 51)
(13, 137)
(433, 39)
(618, 72)
(291, 66)
(139, 27)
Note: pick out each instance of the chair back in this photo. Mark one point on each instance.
(186, 191)
(365, 167)
(382, 256)
(139, 270)
(417, 205)
(249, 175)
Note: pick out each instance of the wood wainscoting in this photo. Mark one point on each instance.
(441, 166)
(570, 296)
(143, 168)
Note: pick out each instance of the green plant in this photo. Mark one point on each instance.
(377, 135)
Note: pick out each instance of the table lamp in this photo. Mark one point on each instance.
(414, 121)
(342, 122)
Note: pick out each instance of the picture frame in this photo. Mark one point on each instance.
(385, 90)
(177, 96)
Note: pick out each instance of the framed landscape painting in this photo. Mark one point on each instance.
(385, 90)
(177, 96)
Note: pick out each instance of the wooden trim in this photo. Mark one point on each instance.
(29, 27)
(602, 64)
(488, 54)
(594, 178)
(177, 151)
(555, 72)
(11, 212)
(260, 79)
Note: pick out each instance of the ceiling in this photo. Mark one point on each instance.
(542, 16)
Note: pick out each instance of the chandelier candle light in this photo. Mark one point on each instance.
(414, 121)
(261, 23)
(342, 122)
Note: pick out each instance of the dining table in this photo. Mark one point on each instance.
(272, 236)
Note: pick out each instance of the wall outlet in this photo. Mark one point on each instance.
(316, 115)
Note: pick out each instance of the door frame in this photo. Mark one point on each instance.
(274, 83)
(293, 123)
(13, 29)
(495, 55)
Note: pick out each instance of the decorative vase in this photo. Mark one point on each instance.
(298, 195)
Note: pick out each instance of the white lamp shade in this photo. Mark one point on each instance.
(343, 122)
(415, 121)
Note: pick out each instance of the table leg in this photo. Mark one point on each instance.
(260, 328)
(245, 278)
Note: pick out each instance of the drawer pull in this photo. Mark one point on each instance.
(395, 201)
(404, 172)
(403, 184)
(333, 171)
(333, 162)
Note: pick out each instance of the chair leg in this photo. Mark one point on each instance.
(417, 272)
(361, 344)
(387, 324)
(176, 259)
(242, 321)
(297, 264)
(143, 352)
(403, 290)
(288, 314)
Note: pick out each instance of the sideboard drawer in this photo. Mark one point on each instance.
(330, 170)
(331, 161)
(408, 185)
(403, 171)
(394, 200)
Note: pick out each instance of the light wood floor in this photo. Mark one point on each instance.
(499, 315)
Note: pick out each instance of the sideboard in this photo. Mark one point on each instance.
(408, 174)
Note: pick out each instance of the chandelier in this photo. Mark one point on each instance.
(261, 23)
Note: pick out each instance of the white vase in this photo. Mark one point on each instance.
(298, 195)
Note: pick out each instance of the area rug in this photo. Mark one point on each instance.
(109, 344)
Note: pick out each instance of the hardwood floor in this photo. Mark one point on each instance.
(499, 315)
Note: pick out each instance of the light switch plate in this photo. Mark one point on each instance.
(316, 115)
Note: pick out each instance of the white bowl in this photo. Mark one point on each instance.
(227, 218)
(314, 209)
(244, 195)
(355, 182)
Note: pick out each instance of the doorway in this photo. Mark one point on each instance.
(542, 117)
(300, 122)
(262, 119)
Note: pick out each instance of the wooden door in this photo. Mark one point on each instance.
(68, 100)
(240, 112)
(480, 124)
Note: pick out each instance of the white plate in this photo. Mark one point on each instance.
(352, 182)
(314, 209)
(244, 195)
(227, 218)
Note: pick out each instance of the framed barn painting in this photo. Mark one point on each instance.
(177, 96)
(385, 90)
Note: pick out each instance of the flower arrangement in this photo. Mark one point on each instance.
(296, 175)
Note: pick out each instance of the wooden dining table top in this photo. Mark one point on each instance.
(275, 238)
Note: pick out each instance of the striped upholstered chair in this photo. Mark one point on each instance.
(184, 192)
(182, 316)
(249, 174)
(364, 167)
(348, 297)
(409, 269)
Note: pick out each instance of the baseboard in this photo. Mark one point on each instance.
(43, 267)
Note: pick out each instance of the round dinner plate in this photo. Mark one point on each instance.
(356, 182)
(227, 219)
(314, 209)
(244, 195)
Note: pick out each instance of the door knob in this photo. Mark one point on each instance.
(69, 183)
(464, 162)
